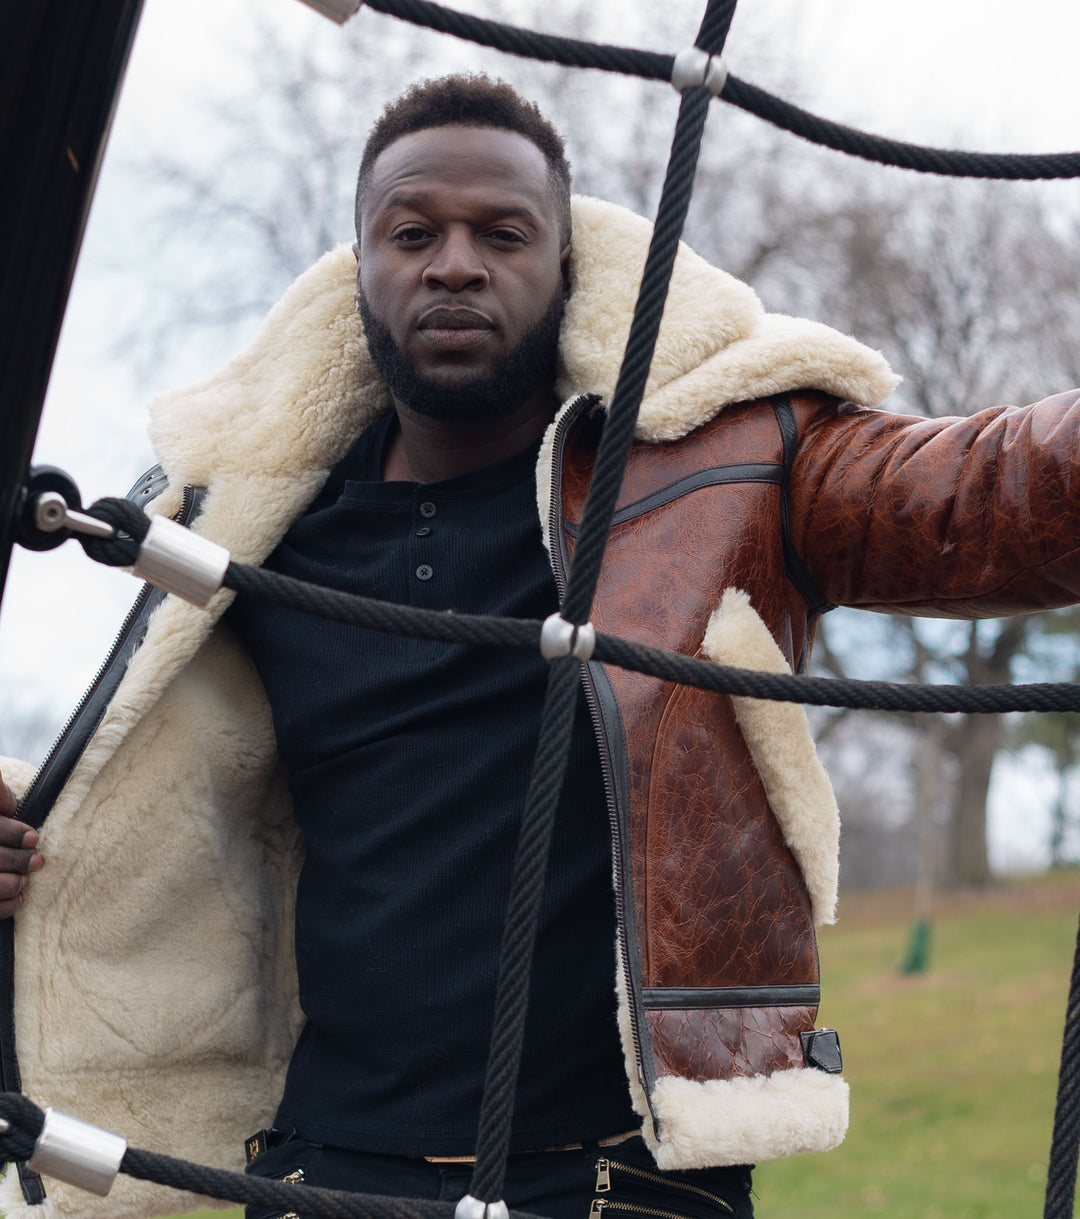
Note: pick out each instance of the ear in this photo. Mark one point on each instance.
(564, 267)
(356, 294)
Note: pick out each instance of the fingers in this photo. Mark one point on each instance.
(13, 889)
(15, 869)
(18, 858)
(16, 834)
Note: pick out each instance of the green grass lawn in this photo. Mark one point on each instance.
(952, 1072)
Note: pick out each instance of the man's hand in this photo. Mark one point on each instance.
(17, 855)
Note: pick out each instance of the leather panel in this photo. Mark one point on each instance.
(706, 852)
(956, 517)
(729, 1043)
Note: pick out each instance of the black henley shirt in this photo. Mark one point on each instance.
(409, 763)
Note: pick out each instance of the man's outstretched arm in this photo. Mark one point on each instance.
(959, 517)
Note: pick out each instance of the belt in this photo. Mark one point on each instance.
(609, 1140)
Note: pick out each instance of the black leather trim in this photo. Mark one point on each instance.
(50, 780)
(615, 743)
(69, 748)
(793, 564)
(59, 764)
(686, 998)
(742, 472)
(33, 1188)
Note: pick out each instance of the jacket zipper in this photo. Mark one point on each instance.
(121, 637)
(603, 1183)
(558, 563)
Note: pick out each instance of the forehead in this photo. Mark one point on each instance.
(455, 164)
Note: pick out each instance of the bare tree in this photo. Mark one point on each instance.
(972, 291)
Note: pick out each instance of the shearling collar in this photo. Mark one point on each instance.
(266, 428)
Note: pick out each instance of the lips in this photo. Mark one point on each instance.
(454, 328)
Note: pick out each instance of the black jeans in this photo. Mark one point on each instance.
(622, 1180)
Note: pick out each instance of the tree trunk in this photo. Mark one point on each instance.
(975, 741)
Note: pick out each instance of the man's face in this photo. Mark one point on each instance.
(460, 271)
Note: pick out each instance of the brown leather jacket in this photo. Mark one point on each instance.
(802, 502)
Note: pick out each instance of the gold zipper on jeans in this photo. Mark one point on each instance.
(296, 1177)
(599, 1205)
(603, 1183)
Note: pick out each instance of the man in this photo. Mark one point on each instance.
(398, 460)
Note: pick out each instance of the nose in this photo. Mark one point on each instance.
(456, 264)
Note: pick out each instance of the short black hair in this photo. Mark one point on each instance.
(470, 100)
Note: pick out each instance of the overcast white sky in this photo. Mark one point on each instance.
(967, 73)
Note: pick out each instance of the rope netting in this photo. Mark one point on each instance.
(492, 1145)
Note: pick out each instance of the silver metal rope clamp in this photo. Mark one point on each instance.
(78, 1153)
(694, 67)
(472, 1208)
(561, 638)
(337, 10)
(181, 562)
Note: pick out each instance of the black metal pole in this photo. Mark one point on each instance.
(61, 65)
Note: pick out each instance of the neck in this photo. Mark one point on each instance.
(426, 450)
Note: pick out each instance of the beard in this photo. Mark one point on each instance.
(514, 377)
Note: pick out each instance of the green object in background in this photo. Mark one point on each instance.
(917, 958)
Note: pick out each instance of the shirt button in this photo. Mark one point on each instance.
(427, 509)
(423, 531)
(424, 572)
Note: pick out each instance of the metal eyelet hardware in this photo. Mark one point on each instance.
(558, 637)
(694, 67)
(472, 1208)
(337, 10)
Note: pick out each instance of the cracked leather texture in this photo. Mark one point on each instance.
(889, 512)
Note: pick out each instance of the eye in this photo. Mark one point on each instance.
(410, 234)
(505, 237)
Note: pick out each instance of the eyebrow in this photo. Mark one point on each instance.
(421, 201)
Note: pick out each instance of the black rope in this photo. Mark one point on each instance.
(519, 931)
(949, 162)
(382, 616)
(538, 818)
(1065, 1144)
(834, 692)
(653, 66)
(131, 524)
(618, 434)
(514, 40)
(484, 631)
(26, 1121)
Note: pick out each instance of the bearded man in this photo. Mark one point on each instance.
(402, 454)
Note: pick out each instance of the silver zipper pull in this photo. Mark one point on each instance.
(603, 1175)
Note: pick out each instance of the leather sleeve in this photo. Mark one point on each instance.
(959, 517)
